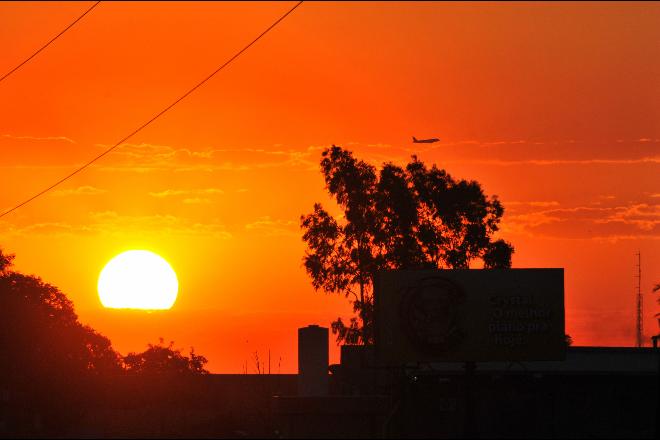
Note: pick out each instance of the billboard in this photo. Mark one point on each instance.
(461, 315)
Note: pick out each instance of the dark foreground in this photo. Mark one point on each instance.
(595, 393)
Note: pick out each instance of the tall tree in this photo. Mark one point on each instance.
(395, 218)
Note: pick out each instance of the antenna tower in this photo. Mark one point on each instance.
(640, 303)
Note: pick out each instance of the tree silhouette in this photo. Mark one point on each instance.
(53, 364)
(40, 328)
(48, 357)
(568, 340)
(164, 359)
(5, 261)
(397, 218)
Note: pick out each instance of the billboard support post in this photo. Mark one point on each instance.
(469, 427)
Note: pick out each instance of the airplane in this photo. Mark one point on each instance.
(424, 141)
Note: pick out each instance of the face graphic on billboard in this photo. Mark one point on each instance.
(430, 314)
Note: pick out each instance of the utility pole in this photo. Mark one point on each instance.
(640, 303)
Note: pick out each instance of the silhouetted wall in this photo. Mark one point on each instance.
(214, 405)
(595, 393)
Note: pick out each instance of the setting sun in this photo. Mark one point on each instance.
(402, 219)
(138, 280)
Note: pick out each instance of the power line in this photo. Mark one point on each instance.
(51, 40)
(159, 114)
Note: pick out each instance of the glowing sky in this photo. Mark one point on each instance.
(553, 107)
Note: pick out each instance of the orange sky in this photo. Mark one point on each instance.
(553, 107)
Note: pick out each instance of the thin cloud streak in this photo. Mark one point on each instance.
(273, 227)
(114, 224)
(39, 138)
(186, 192)
(80, 191)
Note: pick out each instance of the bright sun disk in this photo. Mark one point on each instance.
(138, 280)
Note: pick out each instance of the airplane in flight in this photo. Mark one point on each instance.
(424, 141)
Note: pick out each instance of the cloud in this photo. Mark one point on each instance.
(525, 152)
(502, 153)
(642, 215)
(131, 169)
(42, 228)
(197, 201)
(110, 222)
(186, 192)
(151, 153)
(146, 157)
(39, 138)
(80, 191)
(542, 204)
(271, 227)
(114, 224)
(487, 144)
(635, 220)
(546, 162)
(525, 223)
(150, 157)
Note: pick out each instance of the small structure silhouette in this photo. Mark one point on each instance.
(312, 361)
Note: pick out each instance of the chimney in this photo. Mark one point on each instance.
(312, 361)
